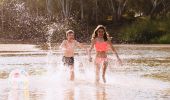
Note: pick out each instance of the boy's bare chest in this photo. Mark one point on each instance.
(70, 45)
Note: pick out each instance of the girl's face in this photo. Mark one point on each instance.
(70, 36)
(100, 33)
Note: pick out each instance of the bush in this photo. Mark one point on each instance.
(146, 31)
(165, 39)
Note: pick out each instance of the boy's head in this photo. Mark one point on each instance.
(70, 34)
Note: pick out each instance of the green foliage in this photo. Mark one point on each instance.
(146, 31)
(27, 19)
(165, 39)
(165, 26)
(129, 17)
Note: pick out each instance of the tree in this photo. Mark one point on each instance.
(118, 8)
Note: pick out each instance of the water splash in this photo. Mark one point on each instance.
(51, 28)
(18, 79)
(19, 85)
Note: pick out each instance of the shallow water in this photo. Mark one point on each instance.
(138, 79)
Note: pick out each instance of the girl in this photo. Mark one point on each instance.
(101, 41)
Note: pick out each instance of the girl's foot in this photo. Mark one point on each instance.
(97, 80)
(104, 79)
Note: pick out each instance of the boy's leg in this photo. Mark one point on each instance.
(71, 72)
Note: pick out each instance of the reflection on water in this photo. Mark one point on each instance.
(18, 95)
(145, 74)
(69, 94)
(101, 94)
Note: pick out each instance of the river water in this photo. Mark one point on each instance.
(145, 74)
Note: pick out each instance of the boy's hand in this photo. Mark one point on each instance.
(87, 52)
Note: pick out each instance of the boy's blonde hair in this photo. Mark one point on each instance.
(69, 31)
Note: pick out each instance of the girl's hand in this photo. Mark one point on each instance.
(90, 59)
(120, 62)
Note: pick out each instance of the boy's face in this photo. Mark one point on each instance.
(70, 36)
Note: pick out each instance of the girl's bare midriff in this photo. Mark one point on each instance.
(101, 54)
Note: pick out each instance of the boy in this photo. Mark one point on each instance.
(68, 46)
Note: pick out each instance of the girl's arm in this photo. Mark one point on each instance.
(114, 51)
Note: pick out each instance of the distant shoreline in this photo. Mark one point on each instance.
(31, 41)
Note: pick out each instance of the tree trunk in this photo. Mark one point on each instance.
(82, 9)
(2, 19)
(121, 7)
(49, 6)
(96, 11)
(65, 6)
(37, 12)
(154, 7)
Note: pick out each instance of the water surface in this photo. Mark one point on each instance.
(145, 74)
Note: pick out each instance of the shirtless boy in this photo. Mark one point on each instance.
(68, 46)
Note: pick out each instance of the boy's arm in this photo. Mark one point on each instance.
(81, 46)
(90, 49)
(62, 45)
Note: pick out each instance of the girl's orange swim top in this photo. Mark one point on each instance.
(101, 46)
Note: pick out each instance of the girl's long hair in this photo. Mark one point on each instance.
(105, 36)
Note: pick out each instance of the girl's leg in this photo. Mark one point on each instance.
(104, 71)
(71, 72)
(97, 72)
